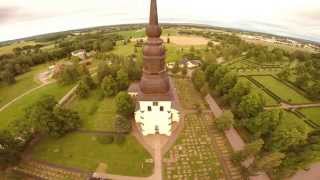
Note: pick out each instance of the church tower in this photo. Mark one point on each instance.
(156, 112)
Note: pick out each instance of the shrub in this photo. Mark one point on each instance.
(119, 138)
(105, 139)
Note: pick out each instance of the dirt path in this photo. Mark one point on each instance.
(289, 106)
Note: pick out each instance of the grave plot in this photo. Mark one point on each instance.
(193, 157)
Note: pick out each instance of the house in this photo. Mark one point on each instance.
(80, 54)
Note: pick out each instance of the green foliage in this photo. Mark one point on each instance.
(105, 139)
(51, 119)
(225, 122)
(250, 106)
(264, 123)
(107, 45)
(103, 71)
(124, 104)
(122, 80)
(240, 90)
(227, 83)
(268, 162)
(109, 86)
(7, 77)
(198, 79)
(88, 81)
(10, 149)
(290, 132)
(122, 124)
(83, 90)
(69, 75)
(119, 139)
(175, 68)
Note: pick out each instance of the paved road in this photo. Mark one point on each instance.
(289, 106)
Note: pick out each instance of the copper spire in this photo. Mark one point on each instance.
(153, 19)
(154, 79)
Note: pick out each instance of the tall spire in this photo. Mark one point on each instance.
(153, 13)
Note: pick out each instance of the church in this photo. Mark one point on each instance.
(156, 111)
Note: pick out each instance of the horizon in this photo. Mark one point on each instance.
(297, 19)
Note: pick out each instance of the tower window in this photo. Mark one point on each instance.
(155, 103)
(149, 108)
(161, 108)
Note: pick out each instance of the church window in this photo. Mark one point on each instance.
(161, 108)
(149, 108)
(155, 103)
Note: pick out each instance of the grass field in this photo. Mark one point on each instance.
(283, 91)
(292, 117)
(187, 94)
(23, 83)
(17, 109)
(96, 114)
(269, 100)
(312, 113)
(8, 49)
(84, 152)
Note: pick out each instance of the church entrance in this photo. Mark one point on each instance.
(156, 129)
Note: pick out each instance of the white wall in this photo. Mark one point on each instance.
(155, 118)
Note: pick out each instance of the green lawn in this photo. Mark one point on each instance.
(83, 151)
(283, 91)
(133, 33)
(269, 100)
(23, 83)
(123, 50)
(312, 113)
(96, 114)
(17, 109)
(188, 96)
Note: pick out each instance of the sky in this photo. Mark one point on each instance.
(294, 18)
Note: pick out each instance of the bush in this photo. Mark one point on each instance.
(119, 139)
(105, 139)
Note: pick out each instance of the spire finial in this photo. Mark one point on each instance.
(153, 13)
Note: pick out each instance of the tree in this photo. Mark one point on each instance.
(107, 45)
(109, 86)
(124, 104)
(264, 123)
(184, 70)
(51, 119)
(122, 80)
(88, 81)
(290, 132)
(253, 148)
(69, 75)
(220, 72)
(102, 71)
(240, 90)
(83, 70)
(284, 74)
(82, 90)
(225, 122)
(65, 121)
(9, 149)
(227, 83)
(210, 71)
(41, 112)
(8, 77)
(175, 68)
(198, 79)
(122, 124)
(268, 162)
(250, 106)
(168, 40)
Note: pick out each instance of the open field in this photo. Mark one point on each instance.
(83, 151)
(312, 113)
(8, 49)
(96, 114)
(268, 99)
(282, 46)
(292, 117)
(188, 95)
(17, 109)
(283, 91)
(187, 40)
(23, 83)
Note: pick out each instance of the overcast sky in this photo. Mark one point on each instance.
(23, 18)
